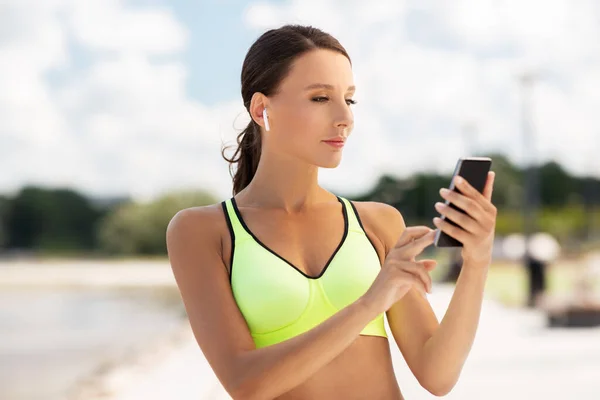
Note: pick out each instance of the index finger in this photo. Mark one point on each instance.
(411, 233)
(469, 191)
(411, 250)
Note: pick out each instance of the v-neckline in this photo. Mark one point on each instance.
(342, 241)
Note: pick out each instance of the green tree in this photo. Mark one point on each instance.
(50, 220)
(557, 187)
(3, 210)
(139, 228)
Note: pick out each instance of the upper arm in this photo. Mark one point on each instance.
(411, 320)
(194, 249)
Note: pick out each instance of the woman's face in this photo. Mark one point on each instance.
(312, 105)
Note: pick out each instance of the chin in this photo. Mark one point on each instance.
(329, 163)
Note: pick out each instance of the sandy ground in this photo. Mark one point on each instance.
(514, 356)
(85, 273)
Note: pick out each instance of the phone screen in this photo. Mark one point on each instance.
(474, 170)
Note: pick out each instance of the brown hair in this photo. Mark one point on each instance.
(266, 64)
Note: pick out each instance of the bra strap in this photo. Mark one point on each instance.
(354, 223)
(233, 221)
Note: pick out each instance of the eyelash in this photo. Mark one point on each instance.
(350, 102)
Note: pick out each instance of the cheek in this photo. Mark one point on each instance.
(302, 114)
(303, 123)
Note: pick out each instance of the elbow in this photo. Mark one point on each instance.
(240, 393)
(438, 386)
(440, 390)
(246, 382)
(245, 390)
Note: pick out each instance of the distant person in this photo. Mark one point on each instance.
(286, 284)
(537, 279)
(454, 266)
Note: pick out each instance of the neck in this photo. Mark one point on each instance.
(284, 183)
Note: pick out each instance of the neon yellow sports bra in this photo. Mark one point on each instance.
(278, 300)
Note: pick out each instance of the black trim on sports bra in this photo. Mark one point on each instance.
(344, 213)
(362, 227)
(232, 234)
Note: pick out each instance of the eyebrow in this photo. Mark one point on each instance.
(326, 86)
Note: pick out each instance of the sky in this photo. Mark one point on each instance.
(137, 98)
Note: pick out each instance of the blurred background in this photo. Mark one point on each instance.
(112, 118)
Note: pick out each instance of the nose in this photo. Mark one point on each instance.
(345, 118)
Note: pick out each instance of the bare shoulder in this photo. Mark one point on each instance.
(203, 223)
(188, 217)
(383, 220)
(194, 239)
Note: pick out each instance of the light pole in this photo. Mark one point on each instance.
(536, 268)
(469, 133)
(530, 191)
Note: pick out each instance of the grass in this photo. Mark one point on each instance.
(508, 282)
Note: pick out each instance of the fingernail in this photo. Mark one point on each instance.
(444, 191)
(458, 180)
(439, 206)
(436, 220)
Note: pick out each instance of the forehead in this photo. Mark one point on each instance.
(319, 66)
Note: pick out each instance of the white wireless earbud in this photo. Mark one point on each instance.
(266, 119)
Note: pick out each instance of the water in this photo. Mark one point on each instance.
(51, 338)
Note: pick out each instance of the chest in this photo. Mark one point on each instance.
(306, 242)
(273, 294)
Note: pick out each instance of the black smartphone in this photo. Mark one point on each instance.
(475, 171)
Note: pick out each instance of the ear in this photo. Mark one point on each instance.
(257, 104)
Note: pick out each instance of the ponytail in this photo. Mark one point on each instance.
(246, 156)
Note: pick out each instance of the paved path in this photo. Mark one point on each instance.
(514, 357)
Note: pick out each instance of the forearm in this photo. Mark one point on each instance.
(445, 353)
(271, 371)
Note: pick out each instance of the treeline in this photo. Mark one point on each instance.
(63, 221)
(566, 206)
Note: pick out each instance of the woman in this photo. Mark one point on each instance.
(286, 284)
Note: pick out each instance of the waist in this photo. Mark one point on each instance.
(363, 371)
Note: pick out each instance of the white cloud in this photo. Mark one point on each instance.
(426, 69)
(94, 93)
(121, 124)
(107, 25)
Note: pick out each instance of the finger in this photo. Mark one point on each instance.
(420, 272)
(463, 220)
(429, 265)
(469, 191)
(465, 203)
(489, 186)
(411, 250)
(411, 233)
(453, 231)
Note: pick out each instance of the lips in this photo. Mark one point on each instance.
(333, 143)
(338, 139)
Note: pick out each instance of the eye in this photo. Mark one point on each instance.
(323, 99)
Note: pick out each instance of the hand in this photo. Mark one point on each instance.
(400, 272)
(475, 228)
